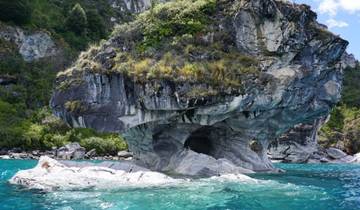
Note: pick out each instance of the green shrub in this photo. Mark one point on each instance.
(77, 42)
(17, 11)
(77, 20)
(11, 129)
(107, 145)
(174, 19)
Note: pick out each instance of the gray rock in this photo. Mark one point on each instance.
(347, 159)
(349, 60)
(324, 160)
(335, 153)
(298, 158)
(32, 46)
(297, 145)
(124, 154)
(36, 153)
(3, 152)
(91, 153)
(72, 151)
(131, 6)
(356, 158)
(300, 81)
(22, 155)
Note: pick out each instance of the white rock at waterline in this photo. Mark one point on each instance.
(5, 157)
(50, 174)
(357, 158)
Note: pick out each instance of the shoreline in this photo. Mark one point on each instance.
(36, 154)
(351, 159)
(74, 151)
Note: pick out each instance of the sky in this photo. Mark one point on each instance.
(342, 17)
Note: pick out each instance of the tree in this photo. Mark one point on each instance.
(17, 11)
(96, 25)
(77, 20)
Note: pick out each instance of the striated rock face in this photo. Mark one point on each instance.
(32, 46)
(228, 128)
(298, 145)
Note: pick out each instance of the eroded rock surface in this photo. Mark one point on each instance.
(298, 145)
(298, 80)
(50, 174)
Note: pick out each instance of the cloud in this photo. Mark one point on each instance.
(331, 7)
(332, 23)
(328, 6)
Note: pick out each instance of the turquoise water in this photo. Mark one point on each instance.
(311, 186)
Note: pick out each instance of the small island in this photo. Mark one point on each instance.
(184, 104)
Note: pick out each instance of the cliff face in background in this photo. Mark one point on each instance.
(206, 96)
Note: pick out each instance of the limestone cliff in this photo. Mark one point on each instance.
(202, 87)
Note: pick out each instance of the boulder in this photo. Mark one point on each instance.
(297, 158)
(91, 153)
(72, 151)
(357, 158)
(3, 152)
(124, 154)
(335, 153)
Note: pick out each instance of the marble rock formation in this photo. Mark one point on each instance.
(299, 80)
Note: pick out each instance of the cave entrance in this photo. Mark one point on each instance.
(200, 142)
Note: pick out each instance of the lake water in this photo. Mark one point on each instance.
(308, 186)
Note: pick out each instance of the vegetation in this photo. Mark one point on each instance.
(175, 19)
(170, 42)
(18, 11)
(343, 128)
(43, 131)
(25, 119)
(77, 20)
